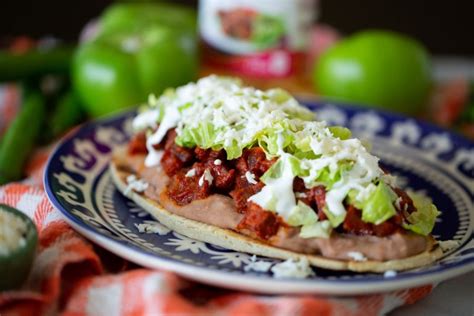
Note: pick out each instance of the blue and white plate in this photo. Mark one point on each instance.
(424, 158)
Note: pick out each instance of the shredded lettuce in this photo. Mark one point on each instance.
(328, 177)
(301, 215)
(341, 132)
(423, 219)
(278, 168)
(379, 206)
(335, 220)
(204, 135)
(319, 230)
(304, 216)
(352, 200)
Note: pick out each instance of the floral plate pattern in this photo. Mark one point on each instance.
(424, 158)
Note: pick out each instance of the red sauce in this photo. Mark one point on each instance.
(263, 223)
(314, 197)
(137, 144)
(183, 190)
(175, 157)
(255, 161)
(354, 224)
(221, 170)
(242, 191)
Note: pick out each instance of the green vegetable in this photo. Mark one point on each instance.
(335, 220)
(68, 113)
(33, 63)
(319, 229)
(468, 113)
(304, 216)
(15, 264)
(20, 137)
(378, 68)
(423, 220)
(138, 16)
(301, 215)
(285, 165)
(379, 206)
(140, 49)
(327, 178)
(341, 132)
(204, 135)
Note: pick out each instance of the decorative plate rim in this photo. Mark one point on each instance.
(251, 281)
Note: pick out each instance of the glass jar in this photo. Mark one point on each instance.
(264, 38)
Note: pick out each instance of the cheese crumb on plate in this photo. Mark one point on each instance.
(149, 227)
(13, 230)
(299, 269)
(447, 245)
(257, 265)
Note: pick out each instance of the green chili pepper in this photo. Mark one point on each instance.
(21, 135)
(34, 63)
(68, 112)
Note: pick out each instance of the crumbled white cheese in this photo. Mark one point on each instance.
(250, 177)
(257, 265)
(357, 256)
(134, 184)
(291, 268)
(218, 162)
(13, 230)
(145, 120)
(447, 245)
(131, 178)
(364, 170)
(225, 103)
(152, 228)
(301, 195)
(390, 274)
(206, 176)
(190, 173)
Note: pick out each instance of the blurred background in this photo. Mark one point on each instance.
(444, 27)
(64, 62)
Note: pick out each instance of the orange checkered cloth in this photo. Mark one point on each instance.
(70, 275)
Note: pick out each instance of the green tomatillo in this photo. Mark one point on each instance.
(377, 68)
(140, 48)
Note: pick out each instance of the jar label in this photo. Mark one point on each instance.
(256, 37)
